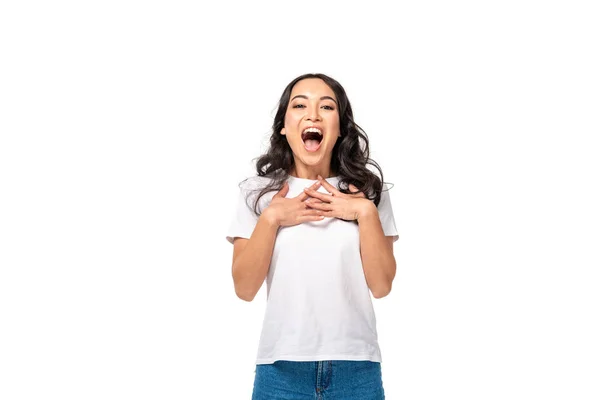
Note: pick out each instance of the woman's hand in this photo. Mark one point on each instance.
(293, 211)
(348, 207)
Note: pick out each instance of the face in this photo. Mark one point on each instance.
(312, 104)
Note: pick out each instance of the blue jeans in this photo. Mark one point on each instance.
(335, 380)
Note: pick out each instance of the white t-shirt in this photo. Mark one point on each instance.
(318, 302)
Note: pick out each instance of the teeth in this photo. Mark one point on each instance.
(313, 130)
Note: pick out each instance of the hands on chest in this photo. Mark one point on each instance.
(311, 205)
(336, 204)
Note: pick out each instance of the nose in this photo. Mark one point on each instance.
(312, 113)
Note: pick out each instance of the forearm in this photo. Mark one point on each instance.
(251, 266)
(377, 256)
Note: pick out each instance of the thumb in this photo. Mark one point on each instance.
(283, 191)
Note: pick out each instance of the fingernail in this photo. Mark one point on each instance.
(319, 176)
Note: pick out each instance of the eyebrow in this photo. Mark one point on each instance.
(322, 98)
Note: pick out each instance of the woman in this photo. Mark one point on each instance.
(318, 225)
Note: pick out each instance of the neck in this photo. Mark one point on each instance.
(311, 173)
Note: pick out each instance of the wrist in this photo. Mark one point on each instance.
(270, 217)
(366, 210)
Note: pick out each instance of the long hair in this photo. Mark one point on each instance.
(349, 158)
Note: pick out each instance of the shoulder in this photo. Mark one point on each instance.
(385, 189)
(250, 189)
(253, 183)
(384, 200)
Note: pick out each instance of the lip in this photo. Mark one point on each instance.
(312, 126)
(322, 137)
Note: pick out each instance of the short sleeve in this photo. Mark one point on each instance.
(386, 214)
(243, 220)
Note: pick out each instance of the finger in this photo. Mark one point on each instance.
(313, 200)
(310, 201)
(329, 187)
(283, 191)
(327, 214)
(303, 196)
(311, 212)
(320, 206)
(321, 196)
(356, 191)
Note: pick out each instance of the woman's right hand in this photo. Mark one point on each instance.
(293, 211)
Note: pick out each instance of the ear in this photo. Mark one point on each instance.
(283, 131)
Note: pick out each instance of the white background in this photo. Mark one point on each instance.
(126, 127)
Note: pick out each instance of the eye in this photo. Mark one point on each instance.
(328, 107)
(298, 106)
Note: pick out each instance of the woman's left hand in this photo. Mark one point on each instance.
(336, 204)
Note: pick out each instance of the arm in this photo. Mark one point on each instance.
(252, 257)
(377, 252)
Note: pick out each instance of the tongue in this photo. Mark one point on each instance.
(311, 144)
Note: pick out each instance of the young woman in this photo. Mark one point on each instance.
(318, 225)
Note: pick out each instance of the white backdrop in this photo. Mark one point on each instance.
(127, 125)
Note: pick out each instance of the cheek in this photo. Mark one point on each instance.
(291, 125)
(291, 118)
(335, 125)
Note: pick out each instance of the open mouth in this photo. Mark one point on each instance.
(312, 138)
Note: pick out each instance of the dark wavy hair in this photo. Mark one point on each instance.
(349, 158)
